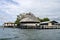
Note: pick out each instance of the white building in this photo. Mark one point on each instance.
(9, 24)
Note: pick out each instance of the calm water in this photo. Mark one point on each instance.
(29, 34)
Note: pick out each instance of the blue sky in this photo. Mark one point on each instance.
(41, 8)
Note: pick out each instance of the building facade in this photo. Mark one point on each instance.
(9, 24)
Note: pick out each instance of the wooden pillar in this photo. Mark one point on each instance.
(57, 26)
(13, 25)
(3, 26)
(41, 26)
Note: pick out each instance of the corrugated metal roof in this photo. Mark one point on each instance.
(48, 22)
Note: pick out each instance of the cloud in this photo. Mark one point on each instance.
(9, 1)
(40, 8)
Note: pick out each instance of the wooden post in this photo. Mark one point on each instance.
(41, 26)
(3, 26)
(57, 26)
(44, 26)
(13, 25)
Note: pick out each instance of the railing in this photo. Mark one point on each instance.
(53, 26)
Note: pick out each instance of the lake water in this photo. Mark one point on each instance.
(29, 34)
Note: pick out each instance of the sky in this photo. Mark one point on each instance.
(9, 9)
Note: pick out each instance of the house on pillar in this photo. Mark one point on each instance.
(9, 24)
(29, 21)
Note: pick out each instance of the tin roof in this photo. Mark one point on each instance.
(49, 22)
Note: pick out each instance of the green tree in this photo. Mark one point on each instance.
(43, 20)
(17, 22)
(46, 19)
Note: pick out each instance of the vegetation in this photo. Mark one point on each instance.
(44, 19)
(17, 20)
